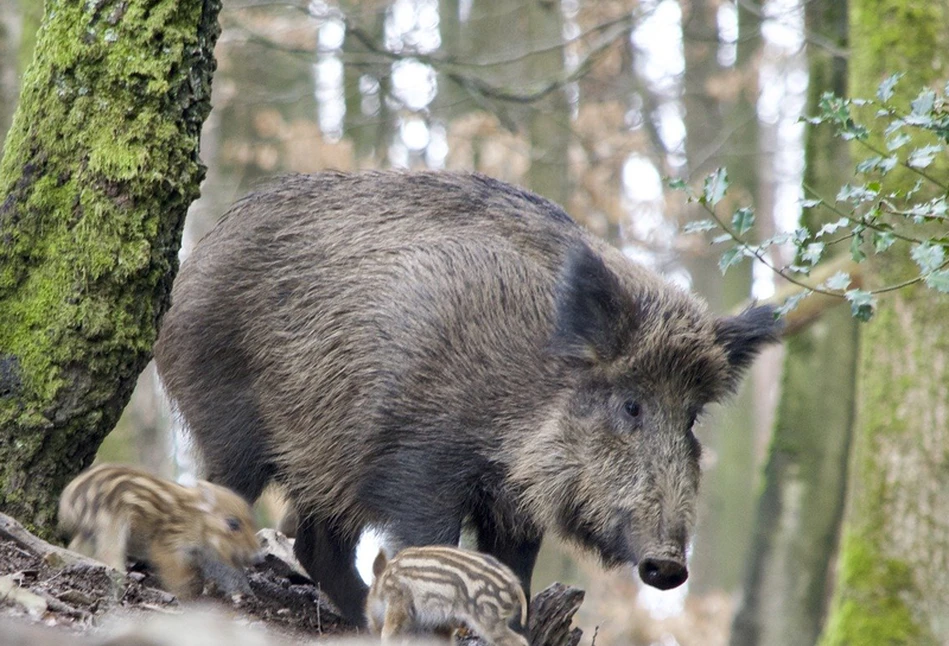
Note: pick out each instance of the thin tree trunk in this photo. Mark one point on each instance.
(785, 593)
(549, 119)
(99, 168)
(722, 130)
(892, 586)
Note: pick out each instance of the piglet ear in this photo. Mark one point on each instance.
(379, 565)
(593, 311)
(745, 335)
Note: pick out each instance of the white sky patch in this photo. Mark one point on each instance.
(329, 95)
(413, 83)
(783, 98)
(727, 19)
(332, 33)
(437, 150)
(661, 62)
(413, 25)
(762, 281)
(328, 76)
(659, 35)
(642, 191)
(415, 134)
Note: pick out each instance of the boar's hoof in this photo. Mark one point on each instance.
(662, 573)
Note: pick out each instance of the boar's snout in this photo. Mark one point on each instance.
(664, 574)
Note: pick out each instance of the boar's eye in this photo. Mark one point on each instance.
(233, 524)
(632, 408)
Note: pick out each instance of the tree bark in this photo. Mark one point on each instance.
(723, 130)
(798, 517)
(894, 550)
(549, 119)
(99, 168)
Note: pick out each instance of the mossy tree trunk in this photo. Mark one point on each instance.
(892, 586)
(100, 165)
(785, 593)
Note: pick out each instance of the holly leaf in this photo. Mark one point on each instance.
(839, 281)
(731, 257)
(939, 280)
(812, 252)
(698, 226)
(885, 90)
(715, 186)
(742, 220)
(928, 256)
(862, 304)
(791, 302)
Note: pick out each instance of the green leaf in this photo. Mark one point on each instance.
(731, 257)
(887, 164)
(791, 302)
(895, 125)
(928, 256)
(852, 130)
(869, 164)
(939, 280)
(898, 141)
(810, 204)
(923, 157)
(831, 227)
(742, 220)
(676, 184)
(923, 104)
(839, 281)
(813, 252)
(858, 194)
(698, 226)
(882, 240)
(725, 237)
(885, 91)
(861, 304)
(715, 186)
(855, 251)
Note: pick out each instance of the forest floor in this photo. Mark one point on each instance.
(50, 595)
(44, 584)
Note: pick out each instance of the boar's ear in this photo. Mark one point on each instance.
(593, 311)
(745, 335)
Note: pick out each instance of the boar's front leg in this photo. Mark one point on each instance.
(330, 559)
(518, 553)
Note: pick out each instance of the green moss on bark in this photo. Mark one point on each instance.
(99, 168)
(889, 589)
(877, 609)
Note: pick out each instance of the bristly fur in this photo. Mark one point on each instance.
(188, 534)
(417, 350)
(439, 589)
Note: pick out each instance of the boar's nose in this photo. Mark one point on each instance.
(662, 573)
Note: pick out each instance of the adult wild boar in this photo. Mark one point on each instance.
(419, 350)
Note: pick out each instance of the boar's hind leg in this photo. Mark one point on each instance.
(516, 553)
(330, 559)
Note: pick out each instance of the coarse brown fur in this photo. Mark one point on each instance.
(438, 589)
(188, 534)
(418, 350)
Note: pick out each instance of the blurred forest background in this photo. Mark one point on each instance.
(590, 104)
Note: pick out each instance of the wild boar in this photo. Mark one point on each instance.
(190, 535)
(438, 589)
(419, 350)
